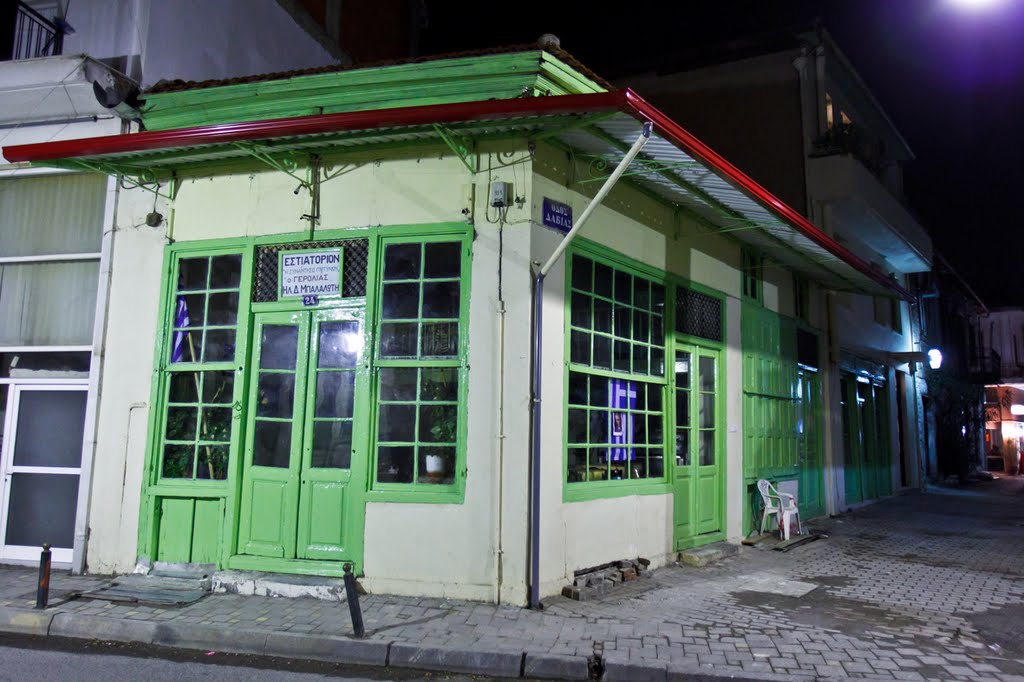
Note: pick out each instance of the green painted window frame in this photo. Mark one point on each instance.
(417, 491)
(579, 491)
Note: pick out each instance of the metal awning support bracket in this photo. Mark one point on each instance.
(461, 145)
(537, 354)
(284, 163)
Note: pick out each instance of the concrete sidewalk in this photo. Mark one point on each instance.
(921, 586)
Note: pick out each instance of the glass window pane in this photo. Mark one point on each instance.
(440, 339)
(706, 374)
(181, 423)
(582, 273)
(639, 429)
(439, 384)
(641, 293)
(579, 347)
(581, 315)
(683, 447)
(192, 274)
(190, 311)
(707, 410)
(577, 470)
(440, 300)
(219, 345)
(398, 383)
(177, 461)
(654, 434)
(437, 465)
(400, 301)
(223, 309)
(186, 346)
(641, 326)
(602, 352)
(226, 272)
(272, 444)
(339, 344)
(657, 330)
(658, 298)
(657, 367)
(602, 316)
(438, 423)
(218, 387)
(707, 448)
(443, 260)
(640, 358)
(213, 462)
(335, 394)
(622, 356)
(397, 423)
(398, 339)
(654, 397)
(215, 424)
(395, 464)
(577, 426)
(578, 388)
(655, 464)
(50, 427)
(184, 387)
(623, 321)
(332, 445)
(599, 391)
(41, 509)
(402, 261)
(682, 408)
(275, 395)
(682, 370)
(279, 346)
(599, 426)
(602, 280)
(623, 287)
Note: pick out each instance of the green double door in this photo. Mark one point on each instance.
(867, 460)
(698, 479)
(305, 462)
(811, 498)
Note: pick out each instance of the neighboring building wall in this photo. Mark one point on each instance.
(1003, 332)
(225, 38)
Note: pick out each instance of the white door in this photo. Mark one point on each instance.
(41, 460)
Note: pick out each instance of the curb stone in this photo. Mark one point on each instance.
(84, 626)
(207, 637)
(554, 667)
(454, 659)
(25, 622)
(333, 649)
(619, 667)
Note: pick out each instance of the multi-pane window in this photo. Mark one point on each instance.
(206, 309)
(615, 419)
(198, 417)
(615, 429)
(696, 404)
(420, 364)
(617, 319)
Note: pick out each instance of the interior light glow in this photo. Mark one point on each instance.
(976, 5)
(935, 358)
(1017, 409)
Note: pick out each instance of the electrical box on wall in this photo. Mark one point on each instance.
(501, 194)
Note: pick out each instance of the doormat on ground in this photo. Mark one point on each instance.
(150, 591)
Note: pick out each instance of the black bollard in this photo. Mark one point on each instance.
(43, 589)
(352, 596)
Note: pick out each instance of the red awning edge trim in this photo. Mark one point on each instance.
(625, 101)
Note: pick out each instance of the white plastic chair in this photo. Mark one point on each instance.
(780, 505)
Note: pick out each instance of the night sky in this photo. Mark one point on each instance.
(952, 80)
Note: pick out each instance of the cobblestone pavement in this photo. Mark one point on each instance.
(921, 586)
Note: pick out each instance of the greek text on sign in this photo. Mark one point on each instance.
(311, 273)
(557, 215)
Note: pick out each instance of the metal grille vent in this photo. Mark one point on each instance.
(353, 274)
(698, 315)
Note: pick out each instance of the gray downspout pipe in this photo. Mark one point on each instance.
(537, 353)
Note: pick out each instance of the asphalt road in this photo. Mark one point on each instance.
(55, 659)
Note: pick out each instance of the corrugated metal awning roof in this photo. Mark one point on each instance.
(674, 164)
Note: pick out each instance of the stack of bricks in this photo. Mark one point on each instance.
(593, 582)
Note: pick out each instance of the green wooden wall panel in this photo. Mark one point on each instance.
(206, 531)
(174, 541)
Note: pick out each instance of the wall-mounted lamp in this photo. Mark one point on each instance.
(935, 358)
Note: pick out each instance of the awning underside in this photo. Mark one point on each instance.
(663, 169)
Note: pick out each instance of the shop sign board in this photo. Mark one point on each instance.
(310, 274)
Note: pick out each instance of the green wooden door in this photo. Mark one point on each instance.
(302, 469)
(698, 479)
(852, 440)
(811, 491)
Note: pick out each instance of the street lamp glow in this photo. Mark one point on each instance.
(976, 5)
(935, 358)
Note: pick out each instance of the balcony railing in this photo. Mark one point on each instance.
(28, 34)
